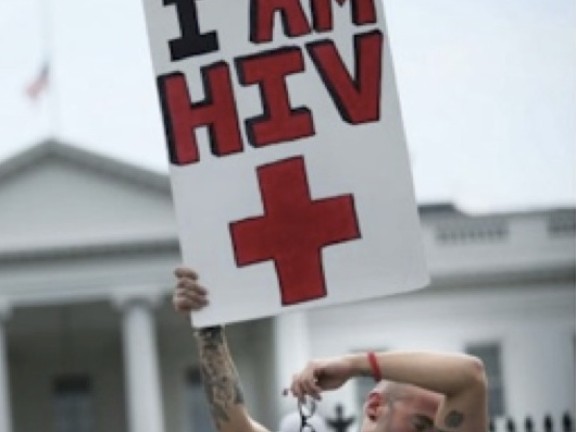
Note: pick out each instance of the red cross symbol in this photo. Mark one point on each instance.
(293, 230)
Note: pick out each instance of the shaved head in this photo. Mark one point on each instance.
(393, 406)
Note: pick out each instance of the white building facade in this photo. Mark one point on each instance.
(88, 340)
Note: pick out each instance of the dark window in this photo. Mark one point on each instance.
(363, 386)
(562, 223)
(491, 356)
(200, 417)
(73, 404)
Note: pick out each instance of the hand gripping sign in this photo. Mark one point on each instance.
(289, 168)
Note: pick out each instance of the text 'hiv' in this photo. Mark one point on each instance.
(356, 96)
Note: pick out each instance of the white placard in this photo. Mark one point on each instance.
(289, 166)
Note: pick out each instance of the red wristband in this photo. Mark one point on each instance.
(374, 366)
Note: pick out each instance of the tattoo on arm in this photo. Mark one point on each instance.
(219, 376)
(454, 419)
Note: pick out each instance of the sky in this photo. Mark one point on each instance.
(487, 90)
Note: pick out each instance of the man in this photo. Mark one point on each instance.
(415, 391)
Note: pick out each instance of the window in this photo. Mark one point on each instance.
(72, 404)
(491, 356)
(200, 418)
(363, 386)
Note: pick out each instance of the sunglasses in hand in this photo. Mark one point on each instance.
(306, 408)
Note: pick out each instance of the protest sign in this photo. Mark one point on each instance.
(288, 160)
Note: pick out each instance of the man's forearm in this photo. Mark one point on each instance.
(221, 381)
(442, 373)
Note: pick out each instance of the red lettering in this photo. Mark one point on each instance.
(363, 12)
(262, 19)
(279, 122)
(217, 111)
(356, 98)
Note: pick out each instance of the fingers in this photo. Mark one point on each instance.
(187, 299)
(185, 272)
(306, 383)
(187, 284)
(188, 295)
(302, 387)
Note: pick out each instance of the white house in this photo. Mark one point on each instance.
(88, 340)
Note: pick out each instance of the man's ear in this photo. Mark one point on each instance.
(375, 406)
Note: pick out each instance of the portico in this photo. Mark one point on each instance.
(5, 411)
(86, 264)
(87, 250)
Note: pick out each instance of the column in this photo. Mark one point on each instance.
(292, 351)
(5, 409)
(143, 391)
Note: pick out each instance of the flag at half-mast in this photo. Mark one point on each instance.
(40, 83)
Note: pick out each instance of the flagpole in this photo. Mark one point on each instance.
(52, 90)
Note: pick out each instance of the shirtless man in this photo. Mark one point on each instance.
(415, 391)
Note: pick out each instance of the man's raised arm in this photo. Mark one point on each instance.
(459, 378)
(219, 376)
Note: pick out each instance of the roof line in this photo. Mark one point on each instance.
(79, 156)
